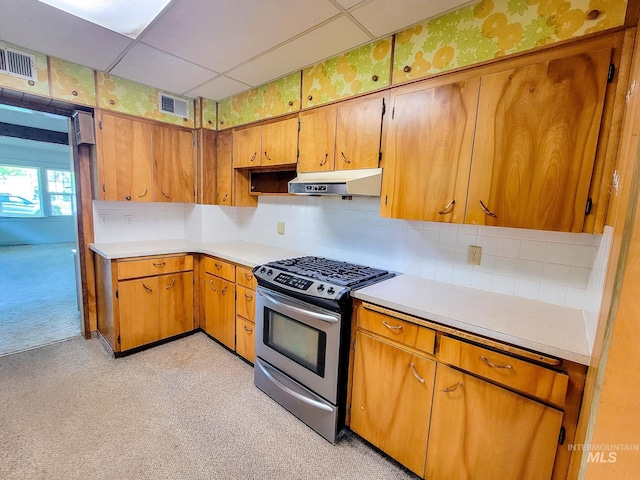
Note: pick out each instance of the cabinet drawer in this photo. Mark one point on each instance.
(220, 268)
(154, 266)
(245, 338)
(408, 333)
(244, 277)
(527, 377)
(245, 302)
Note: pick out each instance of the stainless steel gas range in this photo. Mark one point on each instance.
(303, 314)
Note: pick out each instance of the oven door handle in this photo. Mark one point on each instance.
(309, 401)
(301, 311)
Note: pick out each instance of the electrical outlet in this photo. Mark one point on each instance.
(104, 219)
(474, 255)
(128, 220)
(280, 228)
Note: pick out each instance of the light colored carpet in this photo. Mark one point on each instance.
(38, 301)
(183, 410)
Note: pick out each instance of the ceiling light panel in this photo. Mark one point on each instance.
(122, 16)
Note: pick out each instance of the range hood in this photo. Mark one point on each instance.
(366, 181)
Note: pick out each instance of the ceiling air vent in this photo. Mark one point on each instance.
(18, 64)
(173, 106)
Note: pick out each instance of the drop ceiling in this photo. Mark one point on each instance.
(215, 48)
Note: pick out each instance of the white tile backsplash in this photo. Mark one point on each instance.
(554, 267)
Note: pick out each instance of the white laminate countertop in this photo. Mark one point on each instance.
(541, 327)
(244, 253)
(550, 329)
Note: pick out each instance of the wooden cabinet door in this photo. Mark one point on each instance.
(536, 140)
(280, 142)
(173, 155)
(219, 309)
(247, 147)
(427, 152)
(245, 338)
(359, 125)
(391, 400)
(209, 159)
(317, 140)
(224, 169)
(126, 163)
(138, 303)
(484, 432)
(176, 304)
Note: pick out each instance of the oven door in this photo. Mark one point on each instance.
(299, 339)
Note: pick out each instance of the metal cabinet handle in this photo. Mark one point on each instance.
(487, 211)
(494, 365)
(267, 156)
(345, 158)
(224, 199)
(224, 290)
(128, 198)
(248, 276)
(217, 265)
(173, 282)
(147, 288)
(160, 264)
(324, 160)
(415, 373)
(253, 157)
(165, 195)
(143, 193)
(391, 327)
(452, 388)
(212, 287)
(446, 210)
(248, 330)
(248, 297)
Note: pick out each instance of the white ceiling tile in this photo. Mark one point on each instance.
(336, 36)
(36, 26)
(222, 34)
(150, 66)
(382, 17)
(347, 4)
(218, 88)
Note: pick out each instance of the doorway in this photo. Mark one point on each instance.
(39, 301)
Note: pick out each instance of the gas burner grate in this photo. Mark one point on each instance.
(324, 269)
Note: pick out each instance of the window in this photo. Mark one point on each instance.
(60, 192)
(19, 192)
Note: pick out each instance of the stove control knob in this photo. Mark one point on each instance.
(331, 291)
(320, 287)
(262, 270)
(270, 272)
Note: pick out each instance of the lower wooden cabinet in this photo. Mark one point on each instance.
(219, 299)
(485, 432)
(245, 313)
(144, 300)
(391, 403)
(245, 338)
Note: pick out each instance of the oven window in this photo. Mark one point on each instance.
(301, 343)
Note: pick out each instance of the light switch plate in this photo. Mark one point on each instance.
(280, 228)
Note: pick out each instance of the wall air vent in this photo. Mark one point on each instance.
(173, 106)
(18, 64)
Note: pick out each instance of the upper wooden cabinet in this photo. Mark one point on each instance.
(224, 169)
(142, 162)
(341, 137)
(536, 140)
(266, 145)
(427, 151)
(173, 154)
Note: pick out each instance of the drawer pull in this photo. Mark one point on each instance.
(248, 330)
(452, 388)
(218, 265)
(147, 288)
(391, 327)
(248, 297)
(212, 287)
(224, 290)
(160, 264)
(248, 276)
(173, 282)
(494, 365)
(415, 373)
